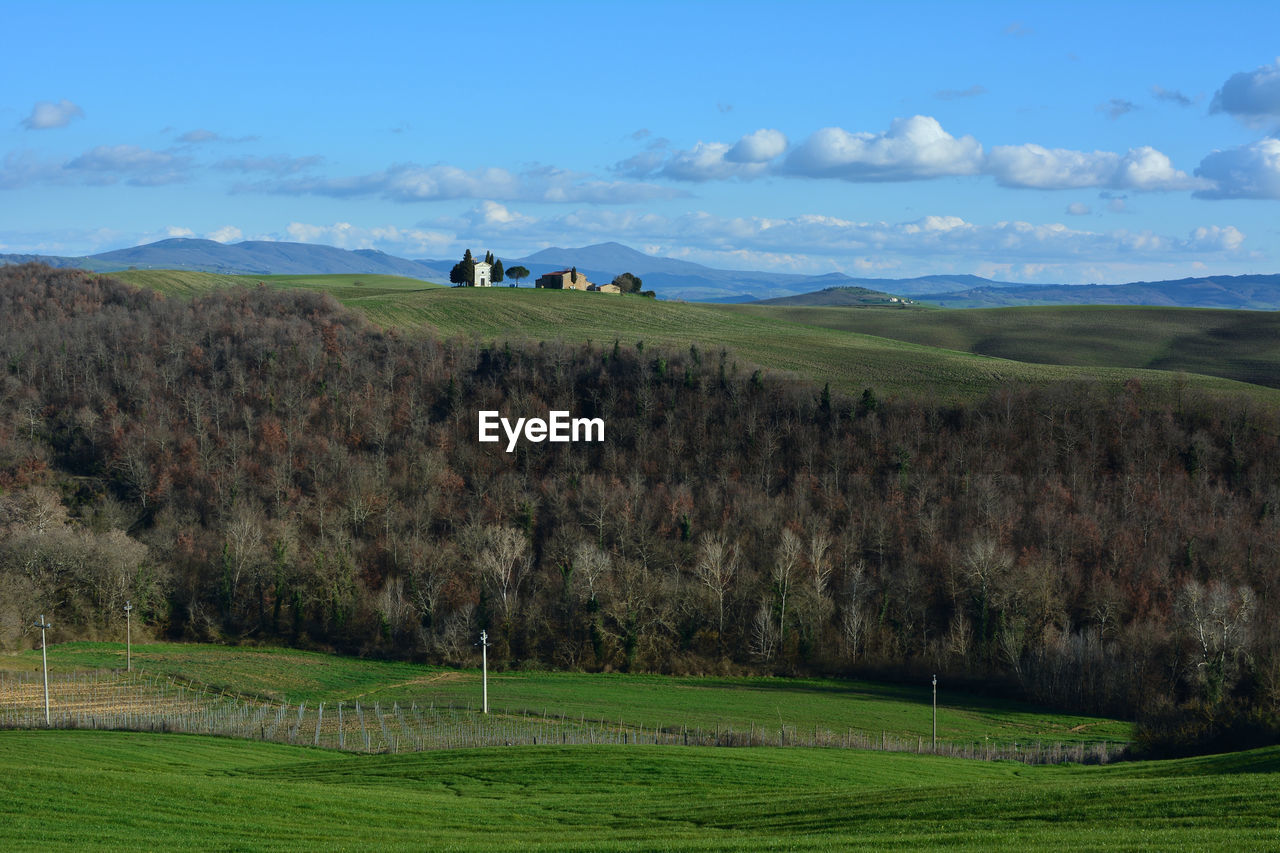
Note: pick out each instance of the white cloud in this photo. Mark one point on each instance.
(935, 241)
(139, 166)
(46, 115)
(226, 234)
(915, 148)
(748, 158)
(390, 238)
(1252, 96)
(490, 214)
(100, 166)
(1249, 171)
(1079, 208)
(912, 149)
(1213, 238)
(1037, 167)
(412, 183)
(707, 161)
(178, 231)
(759, 147)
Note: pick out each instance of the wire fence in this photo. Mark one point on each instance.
(140, 701)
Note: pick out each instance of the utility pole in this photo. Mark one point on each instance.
(128, 637)
(935, 712)
(44, 656)
(484, 663)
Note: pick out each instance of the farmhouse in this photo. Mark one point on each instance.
(605, 288)
(563, 280)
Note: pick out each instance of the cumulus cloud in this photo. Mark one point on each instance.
(46, 115)
(748, 158)
(912, 149)
(1172, 96)
(1249, 171)
(1214, 238)
(1037, 167)
(707, 161)
(915, 148)
(494, 215)
(178, 231)
(226, 234)
(759, 147)
(1252, 96)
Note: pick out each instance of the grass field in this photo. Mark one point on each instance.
(92, 790)
(1241, 345)
(821, 345)
(634, 700)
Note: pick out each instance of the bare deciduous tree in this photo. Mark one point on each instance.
(716, 565)
(503, 562)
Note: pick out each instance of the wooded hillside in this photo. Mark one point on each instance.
(286, 472)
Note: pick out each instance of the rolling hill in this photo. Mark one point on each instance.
(118, 790)
(818, 344)
(842, 297)
(1239, 345)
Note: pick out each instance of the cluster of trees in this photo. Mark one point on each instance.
(285, 472)
(464, 271)
(629, 283)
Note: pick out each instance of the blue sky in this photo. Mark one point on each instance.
(1027, 141)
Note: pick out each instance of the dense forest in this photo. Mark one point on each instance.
(258, 465)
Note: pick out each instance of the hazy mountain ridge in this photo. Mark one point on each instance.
(672, 278)
(1251, 292)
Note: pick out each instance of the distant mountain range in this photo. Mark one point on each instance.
(1253, 292)
(676, 279)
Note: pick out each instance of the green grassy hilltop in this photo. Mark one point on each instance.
(901, 711)
(943, 354)
(1241, 345)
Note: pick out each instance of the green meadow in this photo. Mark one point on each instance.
(1240, 345)
(108, 790)
(820, 345)
(634, 700)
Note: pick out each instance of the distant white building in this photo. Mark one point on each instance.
(483, 276)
